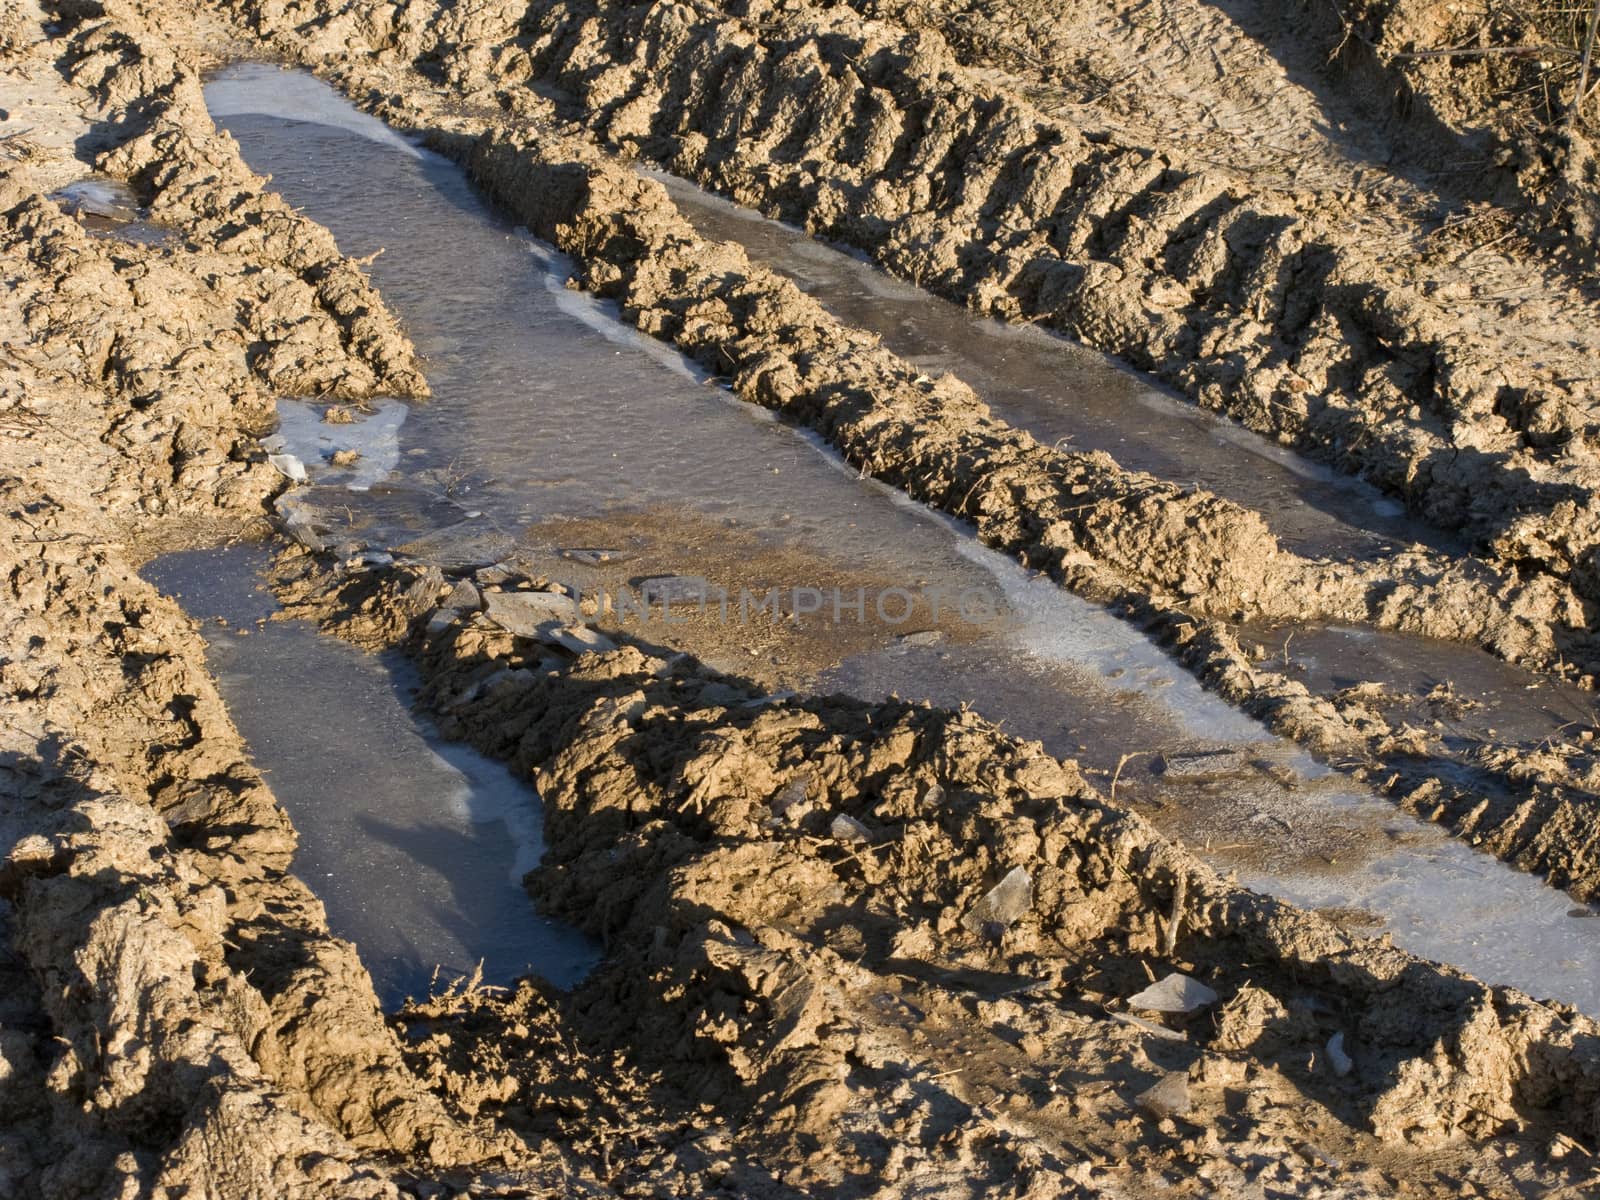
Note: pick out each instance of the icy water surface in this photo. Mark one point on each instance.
(554, 428)
(416, 846)
(1068, 395)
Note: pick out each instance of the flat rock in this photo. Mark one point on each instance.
(579, 639)
(527, 613)
(1004, 904)
(288, 466)
(1177, 993)
(460, 547)
(464, 597)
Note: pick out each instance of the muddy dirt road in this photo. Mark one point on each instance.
(1296, 587)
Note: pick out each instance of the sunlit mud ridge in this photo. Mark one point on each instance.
(786, 890)
(1296, 316)
(1352, 87)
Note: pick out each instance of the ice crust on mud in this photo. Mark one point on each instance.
(174, 1015)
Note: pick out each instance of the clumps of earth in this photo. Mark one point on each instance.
(852, 948)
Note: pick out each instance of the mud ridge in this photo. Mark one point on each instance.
(177, 1014)
(782, 883)
(1286, 314)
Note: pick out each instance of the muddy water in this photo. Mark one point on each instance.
(1067, 395)
(560, 436)
(1464, 693)
(415, 845)
(107, 208)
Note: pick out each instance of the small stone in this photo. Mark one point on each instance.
(925, 637)
(846, 828)
(578, 639)
(773, 698)
(591, 556)
(794, 796)
(1168, 1098)
(1175, 994)
(442, 619)
(1150, 1027)
(1005, 903)
(719, 695)
(464, 597)
(345, 458)
(298, 524)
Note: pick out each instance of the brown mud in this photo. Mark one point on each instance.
(176, 1015)
(807, 988)
(1349, 326)
(1184, 563)
(786, 890)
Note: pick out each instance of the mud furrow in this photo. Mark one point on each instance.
(694, 825)
(1419, 381)
(1162, 552)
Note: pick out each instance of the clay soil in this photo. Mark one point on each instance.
(1299, 216)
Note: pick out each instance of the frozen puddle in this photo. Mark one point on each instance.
(107, 208)
(371, 440)
(554, 427)
(1068, 395)
(416, 846)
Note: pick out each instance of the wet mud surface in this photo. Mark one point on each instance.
(766, 561)
(853, 944)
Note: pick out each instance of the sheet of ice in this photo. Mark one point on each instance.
(270, 90)
(601, 315)
(101, 197)
(416, 846)
(1068, 395)
(373, 436)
